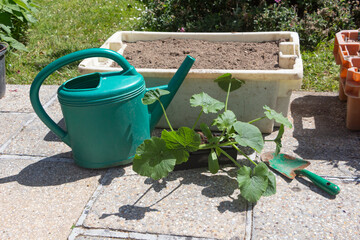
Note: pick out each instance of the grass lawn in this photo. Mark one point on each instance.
(67, 26)
(320, 70)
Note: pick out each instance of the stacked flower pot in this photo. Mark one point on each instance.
(347, 55)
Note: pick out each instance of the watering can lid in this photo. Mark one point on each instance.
(99, 88)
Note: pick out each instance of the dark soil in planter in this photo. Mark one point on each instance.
(169, 54)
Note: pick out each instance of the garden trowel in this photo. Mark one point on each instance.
(290, 167)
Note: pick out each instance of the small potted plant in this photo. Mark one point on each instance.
(157, 157)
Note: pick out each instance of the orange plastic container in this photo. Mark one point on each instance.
(347, 55)
(349, 62)
(351, 88)
(347, 43)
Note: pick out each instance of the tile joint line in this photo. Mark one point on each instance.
(108, 233)
(93, 198)
(249, 225)
(7, 143)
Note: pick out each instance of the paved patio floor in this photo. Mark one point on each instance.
(44, 195)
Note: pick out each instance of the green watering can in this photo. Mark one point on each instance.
(104, 116)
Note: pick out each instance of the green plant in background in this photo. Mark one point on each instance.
(315, 21)
(201, 16)
(67, 26)
(324, 22)
(15, 17)
(277, 17)
(157, 157)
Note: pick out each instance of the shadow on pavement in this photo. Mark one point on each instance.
(51, 137)
(50, 172)
(319, 128)
(213, 186)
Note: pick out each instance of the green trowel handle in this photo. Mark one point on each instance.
(322, 183)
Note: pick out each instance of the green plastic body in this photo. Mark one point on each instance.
(104, 129)
(106, 135)
(322, 183)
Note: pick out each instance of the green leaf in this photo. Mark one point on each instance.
(183, 139)
(153, 95)
(261, 169)
(6, 29)
(5, 22)
(248, 136)
(278, 140)
(180, 155)
(224, 80)
(271, 188)
(22, 4)
(206, 131)
(218, 151)
(153, 159)
(30, 18)
(225, 120)
(213, 162)
(244, 173)
(278, 117)
(252, 183)
(11, 8)
(207, 103)
(208, 134)
(13, 43)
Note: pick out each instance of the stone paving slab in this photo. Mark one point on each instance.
(319, 135)
(332, 166)
(37, 140)
(17, 97)
(187, 203)
(299, 210)
(97, 234)
(11, 124)
(42, 199)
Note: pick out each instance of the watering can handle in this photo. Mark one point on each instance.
(55, 65)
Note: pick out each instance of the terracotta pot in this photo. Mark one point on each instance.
(342, 95)
(353, 114)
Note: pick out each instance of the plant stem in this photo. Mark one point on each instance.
(228, 143)
(222, 134)
(228, 156)
(227, 96)
(205, 146)
(167, 120)
(242, 153)
(208, 146)
(255, 120)
(198, 118)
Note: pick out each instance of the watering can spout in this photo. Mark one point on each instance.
(172, 87)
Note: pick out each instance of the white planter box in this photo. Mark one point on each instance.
(262, 87)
